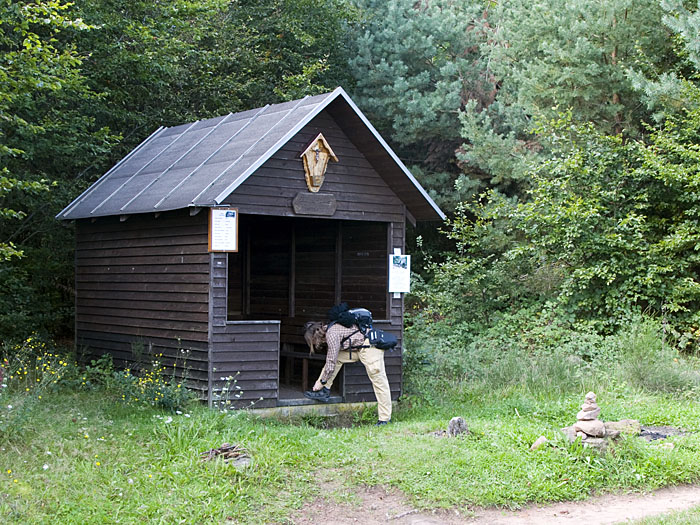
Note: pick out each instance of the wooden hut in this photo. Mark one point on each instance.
(221, 238)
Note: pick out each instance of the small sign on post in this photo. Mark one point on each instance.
(399, 273)
(223, 230)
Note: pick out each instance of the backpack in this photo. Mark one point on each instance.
(342, 314)
(381, 339)
(362, 318)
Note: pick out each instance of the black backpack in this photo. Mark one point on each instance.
(381, 339)
(362, 318)
(342, 314)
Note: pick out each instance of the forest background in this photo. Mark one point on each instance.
(561, 138)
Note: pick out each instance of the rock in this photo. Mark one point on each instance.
(667, 445)
(598, 443)
(595, 428)
(588, 415)
(456, 426)
(611, 434)
(539, 442)
(570, 433)
(590, 398)
(590, 409)
(625, 426)
(241, 462)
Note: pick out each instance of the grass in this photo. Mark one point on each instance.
(87, 457)
(686, 517)
(84, 459)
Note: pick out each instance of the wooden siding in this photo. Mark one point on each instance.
(246, 350)
(145, 282)
(361, 194)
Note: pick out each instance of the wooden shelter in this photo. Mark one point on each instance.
(155, 273)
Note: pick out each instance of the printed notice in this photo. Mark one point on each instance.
(223, 230)
(399, 273)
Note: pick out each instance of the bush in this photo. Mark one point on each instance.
(651, 364)
(534, 353)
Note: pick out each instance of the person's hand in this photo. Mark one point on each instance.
(317, 386)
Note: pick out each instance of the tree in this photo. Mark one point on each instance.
(171, 62)
(551, 55)
(417, 65)
(609, 229)
(42, 135)
(81, 85)
(30, 68)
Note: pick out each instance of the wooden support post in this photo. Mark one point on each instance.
(305, 374)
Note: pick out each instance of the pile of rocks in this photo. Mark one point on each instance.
(594, 432)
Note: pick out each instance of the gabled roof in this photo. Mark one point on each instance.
(202, 163)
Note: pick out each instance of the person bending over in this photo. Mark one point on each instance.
(349, 345)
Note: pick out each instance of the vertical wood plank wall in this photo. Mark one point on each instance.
(357, 385)
(144, 281)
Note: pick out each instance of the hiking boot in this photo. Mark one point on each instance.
(323, 395)
(380, 423)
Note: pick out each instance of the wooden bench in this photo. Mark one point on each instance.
(305, 357)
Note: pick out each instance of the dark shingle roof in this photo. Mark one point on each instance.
(200, 164)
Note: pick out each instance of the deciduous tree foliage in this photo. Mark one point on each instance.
(81, 85)
(609, 230)
(166, 63)
(43, 136)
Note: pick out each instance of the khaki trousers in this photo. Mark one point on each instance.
(373, 359)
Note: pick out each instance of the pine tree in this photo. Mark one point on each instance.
(549, 56)
(416, 67)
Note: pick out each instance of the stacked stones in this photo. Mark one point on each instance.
(592, 431)
(588, 424)
(588, 427)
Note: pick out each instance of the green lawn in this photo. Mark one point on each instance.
(85, 458)
(686, 517)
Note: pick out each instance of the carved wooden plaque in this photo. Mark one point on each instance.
(314, 204)
(316, 158)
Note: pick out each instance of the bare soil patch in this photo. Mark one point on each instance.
(375, 505)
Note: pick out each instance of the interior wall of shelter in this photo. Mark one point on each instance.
(298, 268)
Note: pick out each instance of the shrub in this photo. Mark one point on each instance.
(651, 364)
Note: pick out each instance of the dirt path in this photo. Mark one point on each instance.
(372, 506)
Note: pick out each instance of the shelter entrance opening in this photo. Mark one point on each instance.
(293, 270)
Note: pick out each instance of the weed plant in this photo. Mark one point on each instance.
(154, 385)
(29, 371)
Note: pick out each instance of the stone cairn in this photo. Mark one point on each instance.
(593, 432)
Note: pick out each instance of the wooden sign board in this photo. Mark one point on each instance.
(223, 230)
